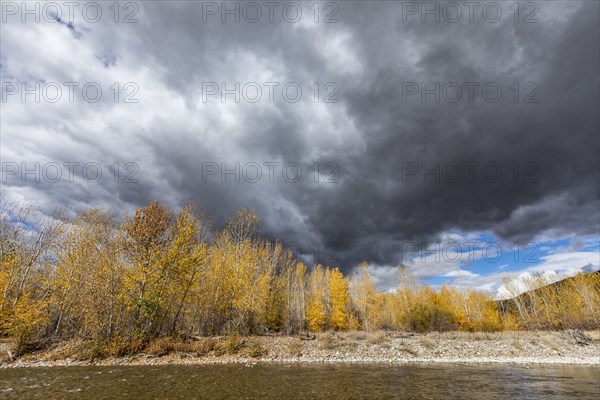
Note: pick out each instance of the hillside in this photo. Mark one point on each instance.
(552, 306)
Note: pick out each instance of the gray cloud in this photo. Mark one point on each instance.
(371, 134)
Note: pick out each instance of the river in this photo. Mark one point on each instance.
(303, 381)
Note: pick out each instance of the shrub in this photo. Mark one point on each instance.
(356, 335)
(295, 348)
(255, 349)
(233, 343)
(92, 350)
(160, 346)
(23, 322)
(120, 346)
(327, 341)
(376, 337)
(419, 318)
(205, 346)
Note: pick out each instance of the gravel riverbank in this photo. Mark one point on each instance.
(352, 347)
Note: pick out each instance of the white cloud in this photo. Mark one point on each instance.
(459, 273)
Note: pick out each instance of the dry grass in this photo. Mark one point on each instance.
(233, 343)
(595, 335)
(64, 350)
(327, 341)
(295, 348)
(356, 335)
(160, 346)
(166, 344)
(255, 348)
(408, 350)
(91, 351)
(120, 347)
(205, 346)
(517, 345)
(377, 337)
(350, 344)
(551, 343)
(74, 349)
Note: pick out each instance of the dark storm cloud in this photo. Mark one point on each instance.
(373, 133)
(559, 134)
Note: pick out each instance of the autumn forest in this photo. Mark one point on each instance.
(163, 272)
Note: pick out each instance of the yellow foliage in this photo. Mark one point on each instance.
(340, 297)
(165, 273)
(316, 314)
(364, 294)
(24, 320)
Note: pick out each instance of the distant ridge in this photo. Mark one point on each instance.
(525, 301)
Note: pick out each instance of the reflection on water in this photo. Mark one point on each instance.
(340, 381)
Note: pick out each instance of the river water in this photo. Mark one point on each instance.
(306, 381)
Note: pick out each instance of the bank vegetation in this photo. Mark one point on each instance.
(121, 283)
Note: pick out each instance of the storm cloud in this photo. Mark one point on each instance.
(409, 138)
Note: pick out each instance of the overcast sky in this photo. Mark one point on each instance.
(357, 130)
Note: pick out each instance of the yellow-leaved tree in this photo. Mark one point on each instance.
(145, 246)
(364, 297)
(339, 288)
(316, 311)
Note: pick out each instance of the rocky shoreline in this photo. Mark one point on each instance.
(353, 347)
